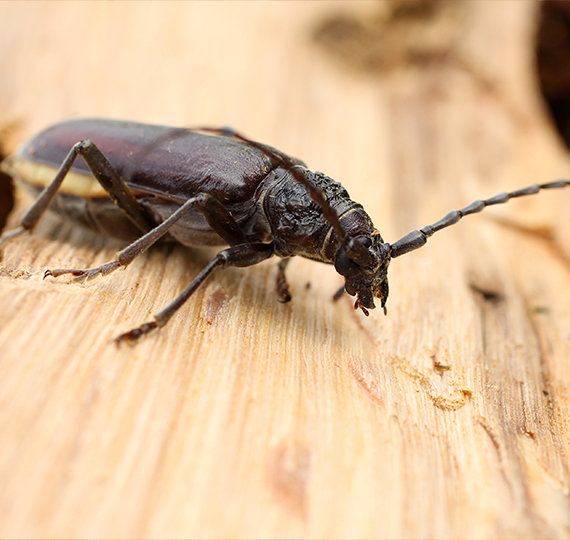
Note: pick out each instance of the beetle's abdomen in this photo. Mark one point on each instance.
(27, 170)
(99, 214)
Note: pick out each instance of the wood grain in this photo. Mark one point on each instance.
(249, 418)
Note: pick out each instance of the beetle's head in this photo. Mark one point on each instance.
(363, 261)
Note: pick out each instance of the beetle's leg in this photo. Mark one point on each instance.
(242, 255)
(103, 172)
(283, 294)
(127, 255)
(219, 218)
(215, 213)
(338, 294)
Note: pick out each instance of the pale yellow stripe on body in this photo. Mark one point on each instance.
(41, 175)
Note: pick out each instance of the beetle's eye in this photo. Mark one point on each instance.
(345, 266)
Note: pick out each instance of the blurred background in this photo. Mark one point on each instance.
(304, 77)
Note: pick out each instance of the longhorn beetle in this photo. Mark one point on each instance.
(210, 187)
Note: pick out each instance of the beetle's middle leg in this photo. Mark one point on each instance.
(217, 216)
(241, 256)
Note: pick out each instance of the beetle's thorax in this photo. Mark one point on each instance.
(297, 222)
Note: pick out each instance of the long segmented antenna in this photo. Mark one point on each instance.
(416, 239)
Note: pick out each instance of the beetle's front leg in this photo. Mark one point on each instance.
(241, 256)
(283, 293)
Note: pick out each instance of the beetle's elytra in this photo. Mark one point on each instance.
(210, 187)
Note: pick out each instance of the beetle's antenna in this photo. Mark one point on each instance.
(416, 239)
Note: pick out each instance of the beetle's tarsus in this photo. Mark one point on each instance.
(58, 272)
(86, 274)
(282, 287)
(283, 292)
(136, 333)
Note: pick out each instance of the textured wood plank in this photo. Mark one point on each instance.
(249, 418)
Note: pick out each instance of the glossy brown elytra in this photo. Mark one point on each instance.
(210, 187)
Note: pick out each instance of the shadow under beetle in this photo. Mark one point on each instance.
(210, 187)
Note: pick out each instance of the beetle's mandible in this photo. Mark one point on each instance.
(210, 187)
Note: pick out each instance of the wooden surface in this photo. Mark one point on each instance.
(248, 418)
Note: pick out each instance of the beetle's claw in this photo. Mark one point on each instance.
(78, 275)
(62, 271)
(283, 293)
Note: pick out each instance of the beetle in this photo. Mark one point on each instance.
(210, 187)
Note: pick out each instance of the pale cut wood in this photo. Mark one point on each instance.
(248, 418)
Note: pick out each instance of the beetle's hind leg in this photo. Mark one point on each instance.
(217, 216)
(241, 256)
(103, 172)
